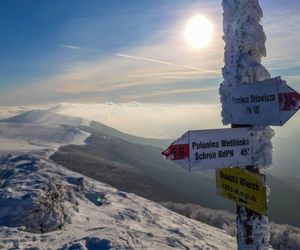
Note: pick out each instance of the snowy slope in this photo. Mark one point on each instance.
(39, 196)
(40, 131)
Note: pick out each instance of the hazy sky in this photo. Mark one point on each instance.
(123, 51)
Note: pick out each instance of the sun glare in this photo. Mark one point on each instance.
(198, 31)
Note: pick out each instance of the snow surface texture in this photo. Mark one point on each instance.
(33, 198)
(245, 46)
(40, 131)
(263, 149)
(260, 229)
(48, 198)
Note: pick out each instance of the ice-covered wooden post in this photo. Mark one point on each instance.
(245, 46)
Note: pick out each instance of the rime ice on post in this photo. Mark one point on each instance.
(245, 46)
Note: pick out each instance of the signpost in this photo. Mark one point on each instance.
(249, 97)
(270, 102)
(244, 47)
(243, 187)
(212, 149)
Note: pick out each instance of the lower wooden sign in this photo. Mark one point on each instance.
(245, 188)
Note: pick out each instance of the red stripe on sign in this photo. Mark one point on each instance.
(289, 101)
(178, 151)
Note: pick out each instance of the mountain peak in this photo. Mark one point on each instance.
(47, 118)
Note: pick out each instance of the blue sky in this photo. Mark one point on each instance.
(123, 51)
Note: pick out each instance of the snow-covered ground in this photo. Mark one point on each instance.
(39, 196)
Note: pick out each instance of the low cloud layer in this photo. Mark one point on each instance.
(150, 120)
(147, 120)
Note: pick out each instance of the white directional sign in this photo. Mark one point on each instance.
(271, 102)
(212, 149)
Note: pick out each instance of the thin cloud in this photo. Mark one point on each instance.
(169, 92)
(152, 60)
(112, 73)
(72, 47)
(144, 59)
(166, 74)
(166, 63)
(201, 69)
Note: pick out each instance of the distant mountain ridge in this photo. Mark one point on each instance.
(51, 118)
(40, 131)
(47, 118)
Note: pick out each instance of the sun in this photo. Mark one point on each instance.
(198, 31)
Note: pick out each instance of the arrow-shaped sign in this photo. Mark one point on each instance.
(270, 102)
(216, 148)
